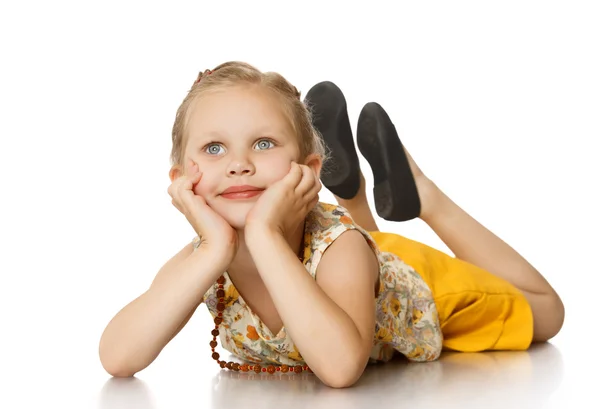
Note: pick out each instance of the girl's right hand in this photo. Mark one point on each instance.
(217, 236)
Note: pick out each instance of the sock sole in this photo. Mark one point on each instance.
(395, 191)
(341, 175)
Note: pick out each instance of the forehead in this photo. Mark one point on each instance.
(238, 111)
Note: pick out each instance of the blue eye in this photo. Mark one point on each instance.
(264, 144)
(213, 149)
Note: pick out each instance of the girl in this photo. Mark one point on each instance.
(297, 285)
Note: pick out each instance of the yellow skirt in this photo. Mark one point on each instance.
(478, 311)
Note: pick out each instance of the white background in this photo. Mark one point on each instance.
(498, 103)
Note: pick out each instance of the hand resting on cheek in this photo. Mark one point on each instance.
(285, 204)
(218, 237)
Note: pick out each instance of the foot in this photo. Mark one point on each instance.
(330, 117)
(402, 192)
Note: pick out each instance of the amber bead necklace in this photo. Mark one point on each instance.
(234, 366)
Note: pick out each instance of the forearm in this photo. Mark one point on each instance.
(137, 334)
(325, 335)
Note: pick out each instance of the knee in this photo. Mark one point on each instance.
(559, 316)
(549, 317)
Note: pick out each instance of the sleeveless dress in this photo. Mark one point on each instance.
(407, 317)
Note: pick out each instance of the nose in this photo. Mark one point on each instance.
(240, 167)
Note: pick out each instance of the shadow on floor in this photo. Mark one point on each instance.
(490, 380)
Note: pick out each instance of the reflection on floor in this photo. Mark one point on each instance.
(477, 380)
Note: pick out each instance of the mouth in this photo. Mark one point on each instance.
(241, 192)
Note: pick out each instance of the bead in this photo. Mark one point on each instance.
(234, 366)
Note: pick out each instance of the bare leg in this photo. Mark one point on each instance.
(472, 242)
(359, 209)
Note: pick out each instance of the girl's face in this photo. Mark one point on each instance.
(239, 136)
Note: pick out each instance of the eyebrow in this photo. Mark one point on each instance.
(262, 133)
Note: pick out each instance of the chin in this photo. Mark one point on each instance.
(236, 222)
(235, 213)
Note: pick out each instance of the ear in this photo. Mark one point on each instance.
(175, 172)
(315, 162)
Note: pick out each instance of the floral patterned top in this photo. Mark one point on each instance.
(406, 314)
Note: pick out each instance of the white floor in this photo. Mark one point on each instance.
(539, 378)
(62, 370)
(496, 101)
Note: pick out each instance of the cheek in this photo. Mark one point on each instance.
(208, 184)
(277, 167)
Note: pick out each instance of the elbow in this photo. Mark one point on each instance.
(341, 379)
(340, 382)
(345, 375)
(118, 372)
(115, 367)
(348, 368)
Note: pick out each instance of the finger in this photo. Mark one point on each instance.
(185, 184)
(190, 200)
(314, 189)
(189, 182)
(307, 181)
(310, 203)
(312, 197)
(176, 186)
(190, 167)
(179, 183)
(196, 179)
(294, 176)
(300, 187)
(313, 203)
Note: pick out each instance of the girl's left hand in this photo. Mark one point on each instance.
(285, 204)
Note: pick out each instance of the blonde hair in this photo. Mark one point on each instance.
(236, 73)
